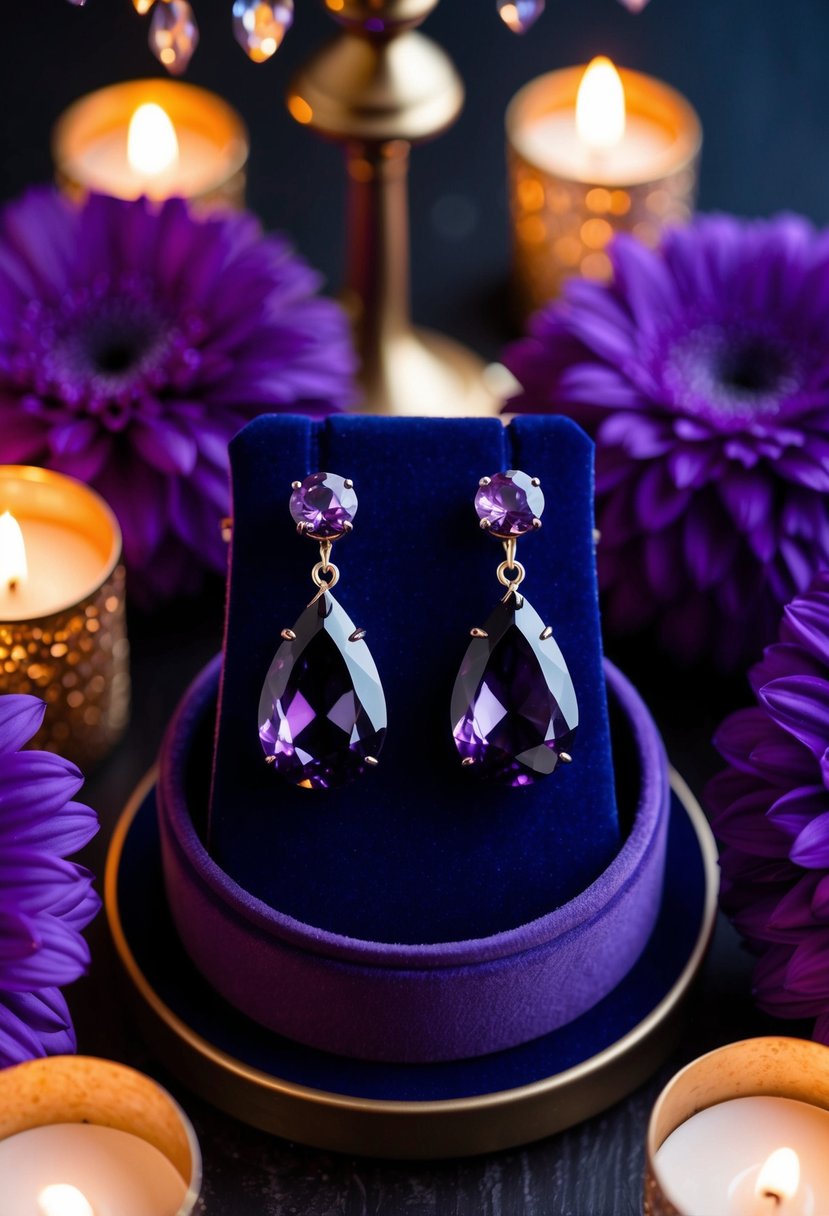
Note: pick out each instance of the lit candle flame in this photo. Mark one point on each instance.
(779, 1177)
(14, 568)
(600, 106)
(152, 145)
(61, 1199)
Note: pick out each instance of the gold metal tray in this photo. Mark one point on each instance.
(416, 1129)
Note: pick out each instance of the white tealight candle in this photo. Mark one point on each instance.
(150, 157)
(82, 1169)
(159, 138)
(593, 152)
(597, 140)
(44, 567)
(752, 1156)
(60, 1199)
(62, 623)
(773, 1187)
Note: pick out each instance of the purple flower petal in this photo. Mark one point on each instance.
(779, 750)
(62, 833)
(800, 704)
(34, 1024)
(739, 735)
(20, 720)
(807, 972)
(807, 625)
(44, 900)
(794, 909)
(811, 849)
(783, 659)
(744, 825)
(18, 937)
(820, 899)
(796, 809)
(37, 782)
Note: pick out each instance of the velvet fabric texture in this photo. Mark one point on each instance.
(411, 1003)
(161, 958)
(417, 850)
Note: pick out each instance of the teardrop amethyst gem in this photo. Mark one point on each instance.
(322, 715)
(514, 708)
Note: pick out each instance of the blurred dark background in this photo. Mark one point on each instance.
(755, 70)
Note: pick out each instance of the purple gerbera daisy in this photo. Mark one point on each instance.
(702, 371)
(45, 900)
(135, 340)
(770, 811)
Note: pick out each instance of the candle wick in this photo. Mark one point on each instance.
(13, 584)
(778, 1199)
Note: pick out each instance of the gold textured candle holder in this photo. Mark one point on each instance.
(379, 88)
(562, 225)
(82, 1089)
(105, 116)
(76, 659)
(773, 1067)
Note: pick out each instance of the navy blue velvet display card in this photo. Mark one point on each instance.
(418, 850)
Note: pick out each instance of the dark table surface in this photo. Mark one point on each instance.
(755, 69)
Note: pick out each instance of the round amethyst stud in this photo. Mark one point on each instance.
(509, 504)
(323, 505)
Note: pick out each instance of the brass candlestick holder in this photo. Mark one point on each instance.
(379, 88)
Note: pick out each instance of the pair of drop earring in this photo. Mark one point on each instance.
(322, 715)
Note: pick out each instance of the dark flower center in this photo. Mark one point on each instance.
(752, 370)
(117, 356)
(109, 345)
(732, 372)
(107, 350)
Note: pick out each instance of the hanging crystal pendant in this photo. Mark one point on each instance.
(514, 708)
(142, 7)
(520, 15)
(260, 25)
(174, 34)
(322, 714)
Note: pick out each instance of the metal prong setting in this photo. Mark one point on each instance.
(535, 481)
(597, 536)
(270, 759)
(227, 529)
(484, 481)
(467, 762)
(296, 485)
(546, 632)
(348, 526)
(478, 633)
(565, 757)
(348, 483)
(486, 524)
(302, 528)
(536, 524)
(357, 635)
(288, 635)
(372, 760)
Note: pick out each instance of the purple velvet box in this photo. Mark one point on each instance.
(416, 916)
(439, 1001)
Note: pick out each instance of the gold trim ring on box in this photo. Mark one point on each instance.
(277, 1086)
